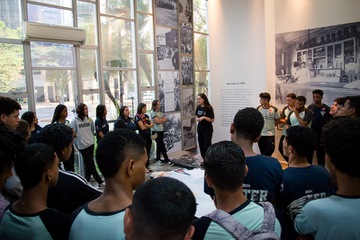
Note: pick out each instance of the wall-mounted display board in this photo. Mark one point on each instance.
(175, 71)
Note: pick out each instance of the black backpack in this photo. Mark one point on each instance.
(233, 226)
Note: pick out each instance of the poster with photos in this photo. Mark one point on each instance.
(166, 12)
(167, 48)
(187, 70)
(189, 137)
(185, 10)
(186, 38)
(172, 132)
(187, 100)
(169, 91)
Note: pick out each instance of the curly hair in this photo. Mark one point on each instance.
(302, 139)
(248, 123)
(57, 135)
(341, 137)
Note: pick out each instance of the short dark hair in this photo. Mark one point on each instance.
(11, 146)
(318, 91)
(341, 137)
(115, 147)
(340, 101)
(265, 95)
(140, 107)
(291, 95)
(57, 135)
(8, 105)
(303, 139)
(354, 102)
(162, 208)
(248, 123)
(28, 116)
(224, 164)
(100, 110)
(35, 160)
(301, 98)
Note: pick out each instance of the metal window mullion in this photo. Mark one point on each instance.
(49, 5)
(99, 53)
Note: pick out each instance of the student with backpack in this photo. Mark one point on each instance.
(236, 216)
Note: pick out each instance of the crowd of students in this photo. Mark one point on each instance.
(254, 197)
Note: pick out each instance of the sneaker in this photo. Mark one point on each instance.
(160, 163)
(171, 163)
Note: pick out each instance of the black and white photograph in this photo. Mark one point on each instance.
(187, 70)
(167, 48)
(325, 58)
(189, 137)
(166, 12)
(188, 105)
(186, 38)
(169, 91)
(185, 10)
(172, 132)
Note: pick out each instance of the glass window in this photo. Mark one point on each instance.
(118, 42)
(52, 55)
(10, 19)
(87, 21)
(119, 8)
(65, 3)
(92, 101)
(146, 32)
(200, 16)
(146, 71)
(50, 15)
(52, 87)
(120, 89)
(201, 52)
(201, 82)
(88, 69)
(147, 97)
(12, 68)
(144, 6)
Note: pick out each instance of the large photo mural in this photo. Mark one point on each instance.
(324, 58)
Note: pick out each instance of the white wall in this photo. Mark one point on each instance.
(242, 44)
(237, 58)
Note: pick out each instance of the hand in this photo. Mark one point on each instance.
(296, 111)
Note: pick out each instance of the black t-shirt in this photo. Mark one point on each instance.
(320, 118)
(204, 111)
(71, 192)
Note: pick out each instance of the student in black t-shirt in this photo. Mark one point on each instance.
(205, 117)
(72, 190)
(302, 181)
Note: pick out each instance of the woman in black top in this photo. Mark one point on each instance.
(204, 116)
(32, 120)
(144, 124)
